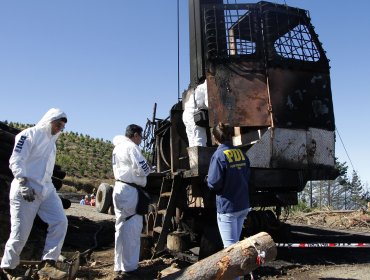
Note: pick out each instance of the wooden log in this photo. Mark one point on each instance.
(7, 137)
(178, 241)
(9, 129)
(5, 171)
(5, 153)
(236, 260)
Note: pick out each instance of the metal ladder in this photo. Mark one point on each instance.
(166, 209)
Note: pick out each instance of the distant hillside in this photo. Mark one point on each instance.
(82, 156)
(86, 160)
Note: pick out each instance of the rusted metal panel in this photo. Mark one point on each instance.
(301, 99)
(238, 96)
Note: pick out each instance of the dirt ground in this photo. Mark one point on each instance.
(99, 264)
(357, 221)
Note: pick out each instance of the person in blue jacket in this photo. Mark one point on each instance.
(228, 176)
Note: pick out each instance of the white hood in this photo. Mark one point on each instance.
(118, 139)
(51, 115)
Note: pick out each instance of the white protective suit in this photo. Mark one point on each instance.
(33, 158)
(195, 98)
(130, 166)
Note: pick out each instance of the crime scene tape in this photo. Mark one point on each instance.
(323, 245)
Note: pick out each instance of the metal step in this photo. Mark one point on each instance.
(166, 194)
(157, 229)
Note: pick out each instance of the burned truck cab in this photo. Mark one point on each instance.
(268, 76)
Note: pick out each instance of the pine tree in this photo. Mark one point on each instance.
(356, 191)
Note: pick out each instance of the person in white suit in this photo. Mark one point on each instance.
(33, 193)
(194, 99)
(129, 168)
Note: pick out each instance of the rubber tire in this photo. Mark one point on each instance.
(66, 202)
(272, 222)
(111, 210)
(58, 183)
(252, 224)
(103, 198)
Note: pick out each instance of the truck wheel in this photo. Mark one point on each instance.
(66, 202)
(210, 241)
(111, 209)
(103, 198)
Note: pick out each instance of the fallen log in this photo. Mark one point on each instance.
(236, 260)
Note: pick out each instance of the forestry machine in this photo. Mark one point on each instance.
(267, 76)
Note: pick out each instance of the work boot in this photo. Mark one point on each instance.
(130, 274)
(48, 269)
(10, 274)
(122, 275)
(117, 275)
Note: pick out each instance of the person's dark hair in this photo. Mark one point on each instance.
(63, 120)
(223, 133)
(131, 129)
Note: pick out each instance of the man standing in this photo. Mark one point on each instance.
(129, 168)
(32, 192)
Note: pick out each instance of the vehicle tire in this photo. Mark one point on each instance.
(103, 198)
(111, 209)
(58, 183)
(252, 224)
(271, 221)
(210, 241)
(66, 203)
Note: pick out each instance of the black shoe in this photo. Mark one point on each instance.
(130, 274)
(117, 275)
(10, 274)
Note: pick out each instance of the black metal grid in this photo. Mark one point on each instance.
(237, 30)
(297, 44)
(229, 31)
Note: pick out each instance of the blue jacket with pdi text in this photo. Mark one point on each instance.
(228, 176)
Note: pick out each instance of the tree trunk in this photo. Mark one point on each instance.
(236, 260)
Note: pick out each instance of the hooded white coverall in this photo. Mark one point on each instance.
(130, 166)
(195, 98)
(33, 158)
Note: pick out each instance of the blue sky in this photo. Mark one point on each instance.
(105, 63)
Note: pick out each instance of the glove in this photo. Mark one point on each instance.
(27, 192)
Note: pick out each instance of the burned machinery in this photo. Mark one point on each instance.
(268, 77)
